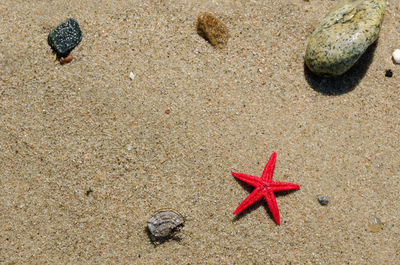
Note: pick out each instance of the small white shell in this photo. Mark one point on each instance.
(164, 224)
(396, 56)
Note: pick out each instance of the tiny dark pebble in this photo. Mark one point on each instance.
(65, 37)
(389, 73)
(167, 111)
(323, 200)
(89, 191)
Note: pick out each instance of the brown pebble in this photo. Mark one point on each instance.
(167, 111)
(64, 60)
(213, 30)
(164, 224)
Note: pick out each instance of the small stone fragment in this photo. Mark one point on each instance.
(323, 200)
(213, 30)
(388, 73)
(132, 76)
(396, 56)
(164, 225)
(65, 37)
(64, 60)
(375, 224)
(343, 36)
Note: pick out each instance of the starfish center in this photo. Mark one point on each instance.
(265, 186)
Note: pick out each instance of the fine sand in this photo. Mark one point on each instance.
(87, 155)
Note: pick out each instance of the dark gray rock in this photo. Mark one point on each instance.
(323, 200)
(65, 37)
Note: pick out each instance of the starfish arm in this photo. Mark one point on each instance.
(269, 168)
(269, 197)
(282, 186)
(252, 198)
(251, 180)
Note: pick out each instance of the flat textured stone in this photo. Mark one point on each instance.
(213, 30)
(344, 35)
(65, 37)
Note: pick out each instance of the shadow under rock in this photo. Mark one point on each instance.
(345, 83)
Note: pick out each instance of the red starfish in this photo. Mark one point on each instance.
(264, 187)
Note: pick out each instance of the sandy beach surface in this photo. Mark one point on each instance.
(87, 154)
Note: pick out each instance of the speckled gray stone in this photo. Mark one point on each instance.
(343, 36)
(323, 200)
(65, 37)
